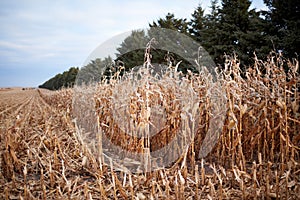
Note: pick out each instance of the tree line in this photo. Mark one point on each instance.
(64, 80)
(230, 27)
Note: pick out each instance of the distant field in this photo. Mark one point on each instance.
(257, 155)
(9, 89)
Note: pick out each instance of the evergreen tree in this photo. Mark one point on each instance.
(234, 23)
(132, 49)
(66, 79)
(255, 39)
(170, 22)
(211, 36)
(173, 36)
(197, 24)
(94, 71)
(284, 17)
(234, 28)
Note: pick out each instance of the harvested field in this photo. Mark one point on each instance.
(256, 156)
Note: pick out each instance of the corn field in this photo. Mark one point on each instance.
(256, 156)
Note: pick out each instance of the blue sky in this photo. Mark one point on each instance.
(40, 38)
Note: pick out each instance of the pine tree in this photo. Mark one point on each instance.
(132, 49)
(173, 35)
(255, 39)
(234, 24)
(171, 22)
(197, 24)
(94, 71)
(211, 35)
(284, 17)
(234, 28)
(66, 79)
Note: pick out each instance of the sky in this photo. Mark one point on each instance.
(41, 38)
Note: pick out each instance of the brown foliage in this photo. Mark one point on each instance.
(256, 157)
